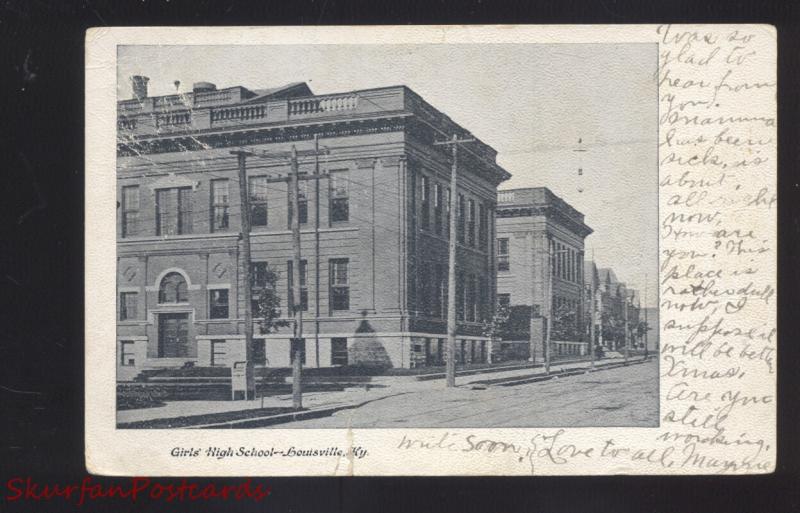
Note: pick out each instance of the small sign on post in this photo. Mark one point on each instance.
(242, 381)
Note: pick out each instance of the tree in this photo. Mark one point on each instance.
(565, 326)
(497, 326)
(613, 327)
(267, 309)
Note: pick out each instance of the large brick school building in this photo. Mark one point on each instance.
(374, 230)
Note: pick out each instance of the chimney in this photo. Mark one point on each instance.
(139, 86)
(203, 87)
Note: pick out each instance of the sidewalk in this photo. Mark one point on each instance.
(197, 413)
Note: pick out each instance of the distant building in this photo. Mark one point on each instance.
(635, 328)
(615, 315)
(649, 315)
(592, 294)
(374, 233)
(540, 254)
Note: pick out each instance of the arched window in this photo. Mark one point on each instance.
(173, 289)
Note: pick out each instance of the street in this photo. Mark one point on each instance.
(626, 396)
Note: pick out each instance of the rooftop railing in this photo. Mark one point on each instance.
(323, 105)
(172, 119)
(240, 113)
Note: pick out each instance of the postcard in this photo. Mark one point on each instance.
(431, 250)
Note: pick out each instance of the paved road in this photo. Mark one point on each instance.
(626, 396)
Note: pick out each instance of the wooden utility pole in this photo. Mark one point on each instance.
(531, 339)
(450, 370)
(591, 320)
(316, 250)
(646, 326)
(297, 303)
(248, 284)
(297, 340)
(627, 337)
(547, 347)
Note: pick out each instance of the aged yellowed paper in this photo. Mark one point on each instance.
(434, 250)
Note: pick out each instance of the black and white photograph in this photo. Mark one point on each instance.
(384, 236)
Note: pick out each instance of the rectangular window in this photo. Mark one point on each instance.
(559, 261)
(127, 357)
(128, 306)
(297, 344)
(483, 295)
(340, 197)
(572, 265)
(338, 351)
(461, 218)
(258, 200)
(217, 353)
(555, 257)
(504, 300)
(174, 211)
(461, 290)
(302, 203)
(130, 210)
(425, 206)
(576, 265)
(471, 223)
(448, 203)
(568, 258)
(185, 210)
(259, 350)
(502, 255)
(303, 285)
(567, 263)
(483, 226)
(220, 204)
(428, 355)
(258, 276)
(438, 199)
(440, 305)
(340, 284)
(218, 304)
(423, 297)
(472, 304)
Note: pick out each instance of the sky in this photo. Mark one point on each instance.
(530, 102)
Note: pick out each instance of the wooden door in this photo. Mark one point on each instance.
(173, 335)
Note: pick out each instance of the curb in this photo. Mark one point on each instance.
(569, 372)
(283, 418)
(491, 370)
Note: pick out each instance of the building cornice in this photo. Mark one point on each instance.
(552, 214)
(264, 134)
